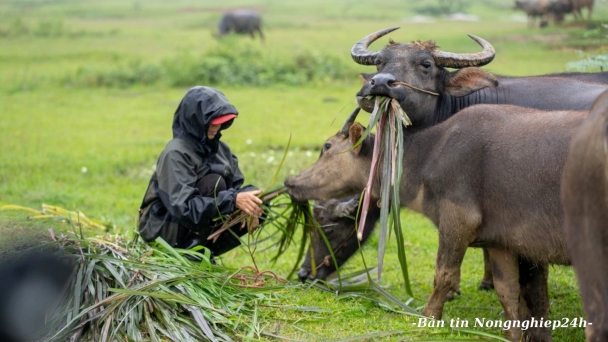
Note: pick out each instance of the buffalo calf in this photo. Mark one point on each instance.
(488, 176)
(336, 218)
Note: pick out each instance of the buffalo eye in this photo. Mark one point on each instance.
(426, 64)
(379, 64)
(326, 147)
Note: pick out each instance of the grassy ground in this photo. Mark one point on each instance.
(93, 148)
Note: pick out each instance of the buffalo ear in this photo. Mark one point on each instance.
(469, 80)
(354, 133)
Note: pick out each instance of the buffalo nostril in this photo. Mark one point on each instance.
(383, 80)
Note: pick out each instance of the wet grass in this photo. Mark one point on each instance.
(93, 149)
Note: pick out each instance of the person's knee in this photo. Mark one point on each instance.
(211, 184)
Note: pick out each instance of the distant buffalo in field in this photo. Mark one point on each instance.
(555, 8)
(241, 21)
(561, 7)
(534, 9)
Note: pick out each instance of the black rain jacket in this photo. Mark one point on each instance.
(172, 198)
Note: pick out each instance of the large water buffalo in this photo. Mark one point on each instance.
(487, 177)
(242, 21)
(585, 203)
(415, 74)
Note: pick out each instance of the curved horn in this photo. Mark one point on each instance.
(359, 51)
(350, 121)
(461, 60)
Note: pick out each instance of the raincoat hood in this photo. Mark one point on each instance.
(193, 117)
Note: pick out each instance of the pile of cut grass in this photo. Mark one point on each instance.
(130, 290)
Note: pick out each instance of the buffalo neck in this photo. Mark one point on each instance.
(416, 150)
(535, 92)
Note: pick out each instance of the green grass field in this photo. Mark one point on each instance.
(69, 142)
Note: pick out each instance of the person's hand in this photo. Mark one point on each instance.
(249, 203)
(251, 222)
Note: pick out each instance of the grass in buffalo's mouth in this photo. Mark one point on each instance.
(389, 119)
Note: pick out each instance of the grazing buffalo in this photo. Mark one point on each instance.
(336, 218)
(577, 5)
(241, 21)
(559, 9)
(534, 9)
(585, 203)
(487, 177)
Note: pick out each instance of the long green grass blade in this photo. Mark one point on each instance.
(397, 210)
(384, 193)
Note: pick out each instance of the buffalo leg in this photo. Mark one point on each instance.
(447, 276)
(534, 289)
(457, 225)
(587, 238)
(505, 267)
(487, 283)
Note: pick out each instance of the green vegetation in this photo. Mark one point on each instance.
(88, 90)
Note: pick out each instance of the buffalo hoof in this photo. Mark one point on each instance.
(305, 274)
(486, 285)
(450, 295)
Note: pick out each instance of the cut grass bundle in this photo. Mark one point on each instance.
(134, 291)
(390, 120)
(282, 213)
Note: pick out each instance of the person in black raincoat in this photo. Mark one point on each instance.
(197, 179)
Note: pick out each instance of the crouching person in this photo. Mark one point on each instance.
(197, 179)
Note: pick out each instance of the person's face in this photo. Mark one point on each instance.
(213, 129)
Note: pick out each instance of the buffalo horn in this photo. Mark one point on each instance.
(350, 120)
(359, 51)
(462, 60)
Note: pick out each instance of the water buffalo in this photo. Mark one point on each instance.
(241, 21)
(577, 5)
(487, 177)
(585, 203)
(559, 9)
(415, 74)
(534, 9)
(337, 220)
